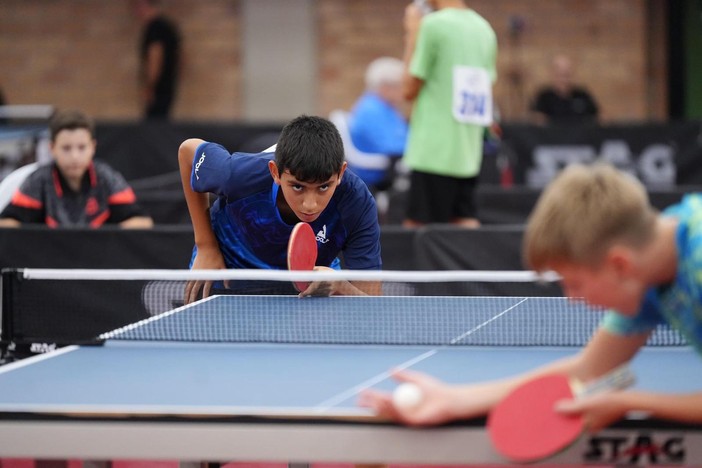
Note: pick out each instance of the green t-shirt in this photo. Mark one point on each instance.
(438, 143)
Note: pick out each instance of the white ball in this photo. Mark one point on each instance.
(407, 395)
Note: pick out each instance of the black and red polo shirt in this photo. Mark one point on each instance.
(45, 197)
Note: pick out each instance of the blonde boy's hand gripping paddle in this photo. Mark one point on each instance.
(524, 426)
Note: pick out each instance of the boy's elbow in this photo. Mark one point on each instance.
(186, 151)
(410, 92)
(411, 86)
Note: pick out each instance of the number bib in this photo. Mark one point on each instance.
(472, 95)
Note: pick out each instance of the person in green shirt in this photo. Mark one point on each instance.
(450, 58)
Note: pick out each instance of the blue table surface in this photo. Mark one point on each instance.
(169, 377)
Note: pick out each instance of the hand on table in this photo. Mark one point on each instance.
(206, 259)
(434, 407)
(599, 410)
(330, 288)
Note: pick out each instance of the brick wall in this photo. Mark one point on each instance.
(82, 53)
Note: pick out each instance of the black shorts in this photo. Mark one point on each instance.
(436, 198)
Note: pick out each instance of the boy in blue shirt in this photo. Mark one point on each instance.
(595, 227)
(260, 197)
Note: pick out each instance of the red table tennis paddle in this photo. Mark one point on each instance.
(524, 427)
(302, 252)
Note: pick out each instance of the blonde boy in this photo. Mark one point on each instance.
(595, 227)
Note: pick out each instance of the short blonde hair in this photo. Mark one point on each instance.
(582, 213)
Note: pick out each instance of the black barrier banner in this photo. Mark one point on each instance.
(660, 155)
(140, 150)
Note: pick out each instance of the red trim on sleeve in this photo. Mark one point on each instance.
(125, 197)
(100, 219)
(51, 222)
(25, 201)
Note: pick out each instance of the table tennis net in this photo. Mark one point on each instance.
(416, 308)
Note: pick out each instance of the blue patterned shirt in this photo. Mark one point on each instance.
(680, 303)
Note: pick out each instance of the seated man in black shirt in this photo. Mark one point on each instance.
(563, 101)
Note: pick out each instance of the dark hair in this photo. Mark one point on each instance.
(70, 120)
(310, 148)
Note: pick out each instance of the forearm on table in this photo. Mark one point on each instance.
(9, 222)
(677, 407)
(473, 400)
(137, 222)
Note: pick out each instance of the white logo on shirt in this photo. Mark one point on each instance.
(322, 235)
(198, 164)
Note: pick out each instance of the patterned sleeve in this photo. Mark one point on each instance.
(236, 175)
(211, 168)
(645, 321)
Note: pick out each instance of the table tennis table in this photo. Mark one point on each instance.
(277, 378)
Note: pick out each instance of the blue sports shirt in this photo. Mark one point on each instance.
(376, 127)
(680, 303)
(248, 225)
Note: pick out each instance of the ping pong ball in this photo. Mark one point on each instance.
(407, 395)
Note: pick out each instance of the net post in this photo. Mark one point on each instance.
(9, 280)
